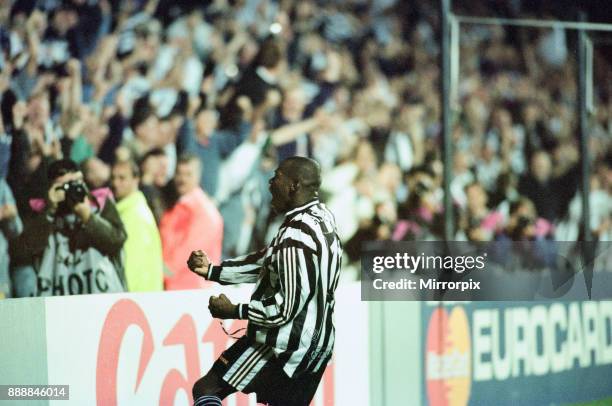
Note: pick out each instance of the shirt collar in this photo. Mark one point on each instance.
(130, 200)
(265, 75)
(302, 207)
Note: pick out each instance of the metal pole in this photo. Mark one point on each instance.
(455, 58)
(583, 131)
(445, 87)
(588, 251)
(600, 41)
(525, 22)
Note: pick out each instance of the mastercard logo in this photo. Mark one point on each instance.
(448, 358)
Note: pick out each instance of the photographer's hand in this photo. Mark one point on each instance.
(83, 210)
(8, 212)
(55, 195)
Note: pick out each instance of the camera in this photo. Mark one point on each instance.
(523, 222)
(75, 191)
(421, 187)
(520, 230)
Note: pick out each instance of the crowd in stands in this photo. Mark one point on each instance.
(175, 115)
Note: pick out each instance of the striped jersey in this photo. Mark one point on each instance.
(290, 311)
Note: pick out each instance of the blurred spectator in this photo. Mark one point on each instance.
(292, 111)
(380, 228)
(524, 224)
(569, 229)
(419, 217)
(10, 228)
(192, 223)
(505, 193)
(532, 248)
(145, 127)
(212, 146)
(153, 181)
(549, 192)
(143, 253)
(74, 241)
(256, 83)
(477, 222)
(30, 156)
(462, 177)
(350, 186)
(96, 173)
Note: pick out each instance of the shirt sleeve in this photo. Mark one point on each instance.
(244, 269)
(296, 252)
(10, 227)
(105, 231)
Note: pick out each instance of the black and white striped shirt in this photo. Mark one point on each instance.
(290, 311)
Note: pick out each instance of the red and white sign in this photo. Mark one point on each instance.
(149, 348)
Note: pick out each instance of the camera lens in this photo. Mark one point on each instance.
(75, 191)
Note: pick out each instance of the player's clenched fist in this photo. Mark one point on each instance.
(222, 308)
(198, 263)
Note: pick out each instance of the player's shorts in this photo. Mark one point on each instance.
(252, 368)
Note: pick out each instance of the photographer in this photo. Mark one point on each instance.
(526, 242)
(74, 241)
(476, 221)
(420, 215)
(524, 224)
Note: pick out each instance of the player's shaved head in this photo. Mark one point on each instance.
(295, 182)
(306, 171)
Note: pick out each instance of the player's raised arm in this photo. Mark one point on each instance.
(244, 269)
(199, 263)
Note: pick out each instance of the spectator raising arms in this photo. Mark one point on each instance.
(243, 85)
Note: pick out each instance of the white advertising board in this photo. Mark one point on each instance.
(149, 348)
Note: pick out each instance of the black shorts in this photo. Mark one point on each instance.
(271, 383)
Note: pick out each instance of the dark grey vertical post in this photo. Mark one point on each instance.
(583, 131)
(445, 85)
(588, 251)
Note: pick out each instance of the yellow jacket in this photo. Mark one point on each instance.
(143, 251)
